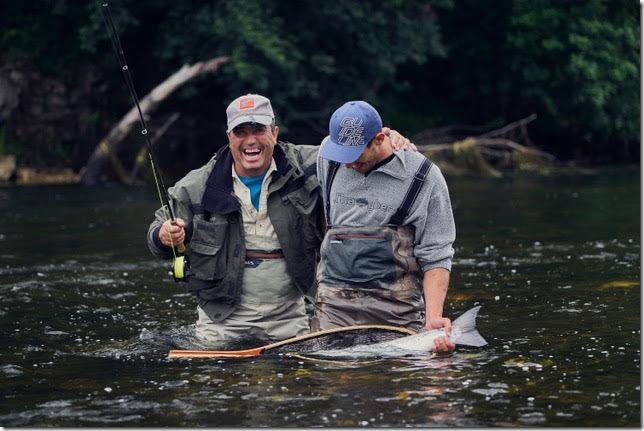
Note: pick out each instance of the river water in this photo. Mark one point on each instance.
(87, 316)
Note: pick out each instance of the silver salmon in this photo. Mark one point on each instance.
(464, 332)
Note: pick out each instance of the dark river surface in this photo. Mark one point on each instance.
(88, 315)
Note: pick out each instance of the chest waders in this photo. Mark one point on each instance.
(369, 274)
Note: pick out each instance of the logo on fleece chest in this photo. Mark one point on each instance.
(363, 203)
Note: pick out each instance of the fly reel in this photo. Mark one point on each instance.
(180, 268)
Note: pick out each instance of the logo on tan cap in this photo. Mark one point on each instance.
(250, 108)
(246, 103)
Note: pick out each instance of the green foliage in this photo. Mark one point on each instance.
(309, 56)
(3, 140)
(8, 145)
(39, 32)
(580, 64)
(574, 63)
(422, 63)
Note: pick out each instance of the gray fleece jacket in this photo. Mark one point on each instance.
(358, 200)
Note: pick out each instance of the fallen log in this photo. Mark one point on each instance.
(488, 153)
(498, 142)
(108, 148)
(510, 127)
(493, 142)
(451, 133)
(142, 157)
(7, 167)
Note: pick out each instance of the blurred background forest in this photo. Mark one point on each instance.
(424, 64)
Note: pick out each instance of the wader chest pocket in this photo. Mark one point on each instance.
(206, 258)
(302, 200)
(358, 258)
(203, 261)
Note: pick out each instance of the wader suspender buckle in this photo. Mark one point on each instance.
(330, 175)
(412, 193)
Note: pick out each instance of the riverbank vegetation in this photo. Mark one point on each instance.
(427, 66)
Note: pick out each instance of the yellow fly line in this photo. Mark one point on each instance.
(180, 262)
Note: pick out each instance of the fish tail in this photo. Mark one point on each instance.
(465, 328)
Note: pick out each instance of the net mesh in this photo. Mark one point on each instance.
(338, 340)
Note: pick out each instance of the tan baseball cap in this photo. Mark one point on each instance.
(251, 108)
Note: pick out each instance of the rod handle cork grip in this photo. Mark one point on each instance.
(181, 248)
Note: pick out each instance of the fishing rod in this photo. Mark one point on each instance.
(180, 265)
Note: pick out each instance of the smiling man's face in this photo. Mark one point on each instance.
(251, 145)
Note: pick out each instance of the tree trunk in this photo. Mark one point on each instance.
(109, 146)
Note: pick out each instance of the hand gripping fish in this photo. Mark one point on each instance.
(463, 332)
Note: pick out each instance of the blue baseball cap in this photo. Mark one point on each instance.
(351, 128)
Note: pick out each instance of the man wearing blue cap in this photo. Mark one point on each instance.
(387, 254)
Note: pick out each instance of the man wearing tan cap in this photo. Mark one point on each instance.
(250, 218)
